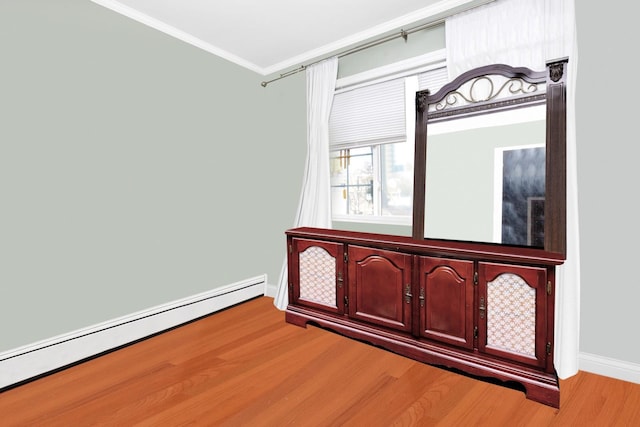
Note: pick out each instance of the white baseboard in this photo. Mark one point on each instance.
(618, 369)
(271, 290)
(33, 360)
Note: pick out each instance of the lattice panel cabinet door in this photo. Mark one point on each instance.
(316, 275)
(380, 289)
(512, 312)
(446, 300)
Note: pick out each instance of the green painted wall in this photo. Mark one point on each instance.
(135, 169)
(418, 43)
(608, 177)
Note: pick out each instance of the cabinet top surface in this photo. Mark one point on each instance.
(470, 250)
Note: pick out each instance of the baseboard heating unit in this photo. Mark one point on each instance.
(25, 363)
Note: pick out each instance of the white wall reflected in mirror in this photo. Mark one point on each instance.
(465, 180)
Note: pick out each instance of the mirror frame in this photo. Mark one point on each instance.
(554, 77)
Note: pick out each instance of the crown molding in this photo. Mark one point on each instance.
(149, 21)
(432, 13)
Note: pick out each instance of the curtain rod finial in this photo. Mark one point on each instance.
(263, 84)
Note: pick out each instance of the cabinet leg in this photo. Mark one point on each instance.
(549, 396)
(296, 319)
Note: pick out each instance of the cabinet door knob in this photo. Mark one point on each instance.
(482, 308)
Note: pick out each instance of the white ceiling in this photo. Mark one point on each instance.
(268, 36)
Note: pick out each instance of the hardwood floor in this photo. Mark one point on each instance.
(246, 367)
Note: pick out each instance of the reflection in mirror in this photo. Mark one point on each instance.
(485, 178)
(482, 143)
(523, 195)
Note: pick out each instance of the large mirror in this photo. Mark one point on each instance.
(490, 162)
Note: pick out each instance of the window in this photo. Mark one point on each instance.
(372, 181)
(372, 140)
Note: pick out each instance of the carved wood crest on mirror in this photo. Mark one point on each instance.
(490, 158)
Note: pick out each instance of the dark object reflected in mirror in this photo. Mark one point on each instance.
(490, 158)
(523, 178)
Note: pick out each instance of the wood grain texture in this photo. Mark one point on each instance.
(246, 366)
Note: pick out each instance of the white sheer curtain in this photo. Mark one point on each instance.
(529, 33)
(314, 208)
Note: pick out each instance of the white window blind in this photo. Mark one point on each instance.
(368, 115)
(377, 113)
(433, 79)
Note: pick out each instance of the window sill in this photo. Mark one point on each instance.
(373, 219)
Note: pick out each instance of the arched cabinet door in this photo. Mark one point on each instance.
(512, 313)
(380, 289)
(446, 300)
(317, 270)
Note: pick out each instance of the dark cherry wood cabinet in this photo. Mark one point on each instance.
(483, 309)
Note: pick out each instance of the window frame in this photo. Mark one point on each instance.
(402, 69)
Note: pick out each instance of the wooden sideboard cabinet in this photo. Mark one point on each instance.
(483, 309)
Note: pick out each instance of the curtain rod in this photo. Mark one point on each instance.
(403, 33)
